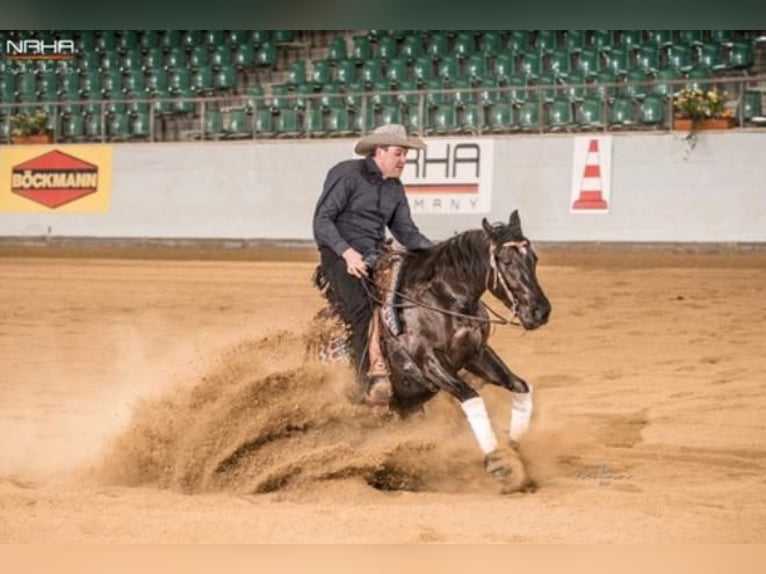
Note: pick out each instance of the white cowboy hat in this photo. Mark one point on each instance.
(389, 134)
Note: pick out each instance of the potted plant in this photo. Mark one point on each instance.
(30, 128)
(696, 109)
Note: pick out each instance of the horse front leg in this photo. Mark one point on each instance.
(490, 367)
(502, 464)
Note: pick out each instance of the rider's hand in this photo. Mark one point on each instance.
(355, 265)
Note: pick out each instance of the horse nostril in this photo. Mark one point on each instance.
(542, 313)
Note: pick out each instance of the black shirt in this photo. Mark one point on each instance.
(356, 206)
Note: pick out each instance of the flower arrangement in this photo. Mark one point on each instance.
(23, 124)
(696, 104)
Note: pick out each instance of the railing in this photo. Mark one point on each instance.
(478, 110)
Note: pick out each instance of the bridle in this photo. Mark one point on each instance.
(493, 272)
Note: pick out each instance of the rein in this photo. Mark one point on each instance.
(500, 320)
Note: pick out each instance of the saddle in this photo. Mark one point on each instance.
(386, 276)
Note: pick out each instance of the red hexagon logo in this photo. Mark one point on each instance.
(54, 179)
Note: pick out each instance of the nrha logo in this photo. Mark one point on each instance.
(33, 49)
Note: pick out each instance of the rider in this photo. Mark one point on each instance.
(361, 197)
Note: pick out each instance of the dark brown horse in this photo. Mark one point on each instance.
(443, 328)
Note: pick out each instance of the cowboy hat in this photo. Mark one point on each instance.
(389, 134)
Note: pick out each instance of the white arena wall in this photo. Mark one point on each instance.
(660, 190)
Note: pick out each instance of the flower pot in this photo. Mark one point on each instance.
(687, 124)
(32, 139)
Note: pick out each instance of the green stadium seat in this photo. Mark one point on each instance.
(547, 86)
(198, 57)
(491, 43)
(574, 86)
(560, 115)
(621, 114)
(574, 41)
(631, 39)
(161, 102)
(345, 72)
(603, 40)
(444, 120)
(435, 95)
(185, 103)
(315, 122)
(321, 73)
(386, 48)
(529, 116)
(90, 85)
(605, 84)
(238, 125)
(635, 85)
(283, 36)
(296, 73)
(263, 119)
(449, 69)
(691, 37)
(117, 127)
(519, 41)
(531, 64)
(148, 40)
(545, 41)
(131, 60)
(396, 71)
(411, 47)
(220, 56)
(106, 41)
(489, 92)
(212, 38)
(464, 46)
(501, 118)
(699, 78)
(389, 115)
(157, 81)
(244, 56)
(179, 80)
(560, 63)
(648, 57)
(213, 124)
(423, 70)
(652, 111)
(170, 39)
(26, 87)
(476, 67)
(110, 61)
(741, 56)
(504, 68)
(751, 108)
(134, 83)
(154, 59)
(361, 50)
(463, 93)
(202, 80)
(518, 92)
(618, 60)
(663, 82)
(711, 55)
(372, 73)
(437, 45)
(258, 38)
(660, 38)
(382, 95)
(287, 123)
(471, 119)
(94, 127)
(722, 36)
(266, 56)
(140, 126)
(225, 78)
(407, 94)
(339, 122)
(175, 58)
(589, 114)
(73, 128)
(679, 56)
(127, 40)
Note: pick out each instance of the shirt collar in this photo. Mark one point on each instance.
(374, 170)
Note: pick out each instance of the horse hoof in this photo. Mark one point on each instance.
(506, 467)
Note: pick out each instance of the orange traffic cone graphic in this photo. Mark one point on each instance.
(590, 186)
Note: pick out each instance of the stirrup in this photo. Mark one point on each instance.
(379, 391)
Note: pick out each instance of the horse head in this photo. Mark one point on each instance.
(513, 277)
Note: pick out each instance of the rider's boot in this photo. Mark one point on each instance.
(379, 389)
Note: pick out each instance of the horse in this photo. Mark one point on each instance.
(440, 327)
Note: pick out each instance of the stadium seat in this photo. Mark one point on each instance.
(243, 57)
(574, 41)
(659, 38)
(504, 68)
(559, 62)
(444, 120)
(362, 49)
(501, 117)
(652, 111)
(621, 114)
(740, 56)
(396, 71)
(213, 124)
(345, 72)
(134, 83)
(287, 123)
(476, 67)
(648, 57)
(603, 40)
(411, 47)
(575, 86)
(437, 46)
(338, 122)
(560, 115)
(423, 71)
(529, 116)
(711, 55)
(691, 37)
(386, 48)
(618, 60)
(546, 41)
(140, 126)
(531, 64)
(371, 73)
(225, 79)
(519, 42)
(117, 127)
(263, 119)
(589, 114)
(471, 119)
(237, 126)
(73, 128)
(752, 113)
(635, 85)
(699, 78)
(336, 51)
(679, 56)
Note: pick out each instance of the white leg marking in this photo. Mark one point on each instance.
(476, 413)
(521, 413)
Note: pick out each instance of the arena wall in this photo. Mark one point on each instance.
(662, 190)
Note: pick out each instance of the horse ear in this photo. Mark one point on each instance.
(514, 222)
(487, 227)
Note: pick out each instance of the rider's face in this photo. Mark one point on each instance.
(391, 160)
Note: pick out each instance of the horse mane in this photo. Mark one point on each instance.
(454, 259)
